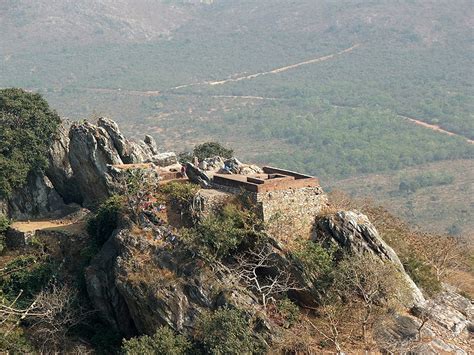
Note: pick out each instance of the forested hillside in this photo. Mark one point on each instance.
(324, 87)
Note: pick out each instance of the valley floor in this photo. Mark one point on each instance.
(440, 208)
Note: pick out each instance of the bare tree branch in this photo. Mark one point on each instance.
(256, 270)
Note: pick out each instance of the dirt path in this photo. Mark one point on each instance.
(424, 124)
(149, 93)
(273, 71)
(225, 81)
(246, 97)
(435, 128)
(38, 225)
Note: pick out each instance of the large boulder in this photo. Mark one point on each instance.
(151, 143)
(164, 159)
(235, 166)
(197, 176)
(91, 150)
(405, 334)
(212, 164)
(354, 233)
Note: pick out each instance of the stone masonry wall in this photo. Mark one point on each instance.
(290, 214)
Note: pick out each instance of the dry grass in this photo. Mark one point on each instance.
(406, 240)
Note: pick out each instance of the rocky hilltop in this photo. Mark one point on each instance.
(174, 253)
(79, 169)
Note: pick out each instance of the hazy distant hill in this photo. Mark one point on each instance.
(319, 86)
(28, 24)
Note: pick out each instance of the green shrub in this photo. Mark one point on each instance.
(26, 275)
(105, 220)
(219, 235)
(15, 342)
(211, 149)
(4, 223)
(27, 128)
(185, 157)
(289, 311)
(179, 193)
(412, 184)
(422, 274)
(227, 331)
(316, 259)
(164, 341)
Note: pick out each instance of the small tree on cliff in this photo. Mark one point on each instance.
(257, 270)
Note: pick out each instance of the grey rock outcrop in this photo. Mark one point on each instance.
(59, 170)
(139, 284)
(353, 231)
(79, 169)
(212, 164)
(404, 334)
(235, 166)
(450, 310)
(151, 143)
(91, 150)
(36, 199)
(164, 159)
(129, 152)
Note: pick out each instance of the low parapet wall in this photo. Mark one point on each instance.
(273, 179)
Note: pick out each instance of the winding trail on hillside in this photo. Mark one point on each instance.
(436, 128)
(421, 123)
(273, 71)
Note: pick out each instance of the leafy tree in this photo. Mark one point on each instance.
(179, 193)
(26, 276)
(227, 331)
(211, 149)
(164, 342)
(289, 311)
(316, 259)
(27, 128)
